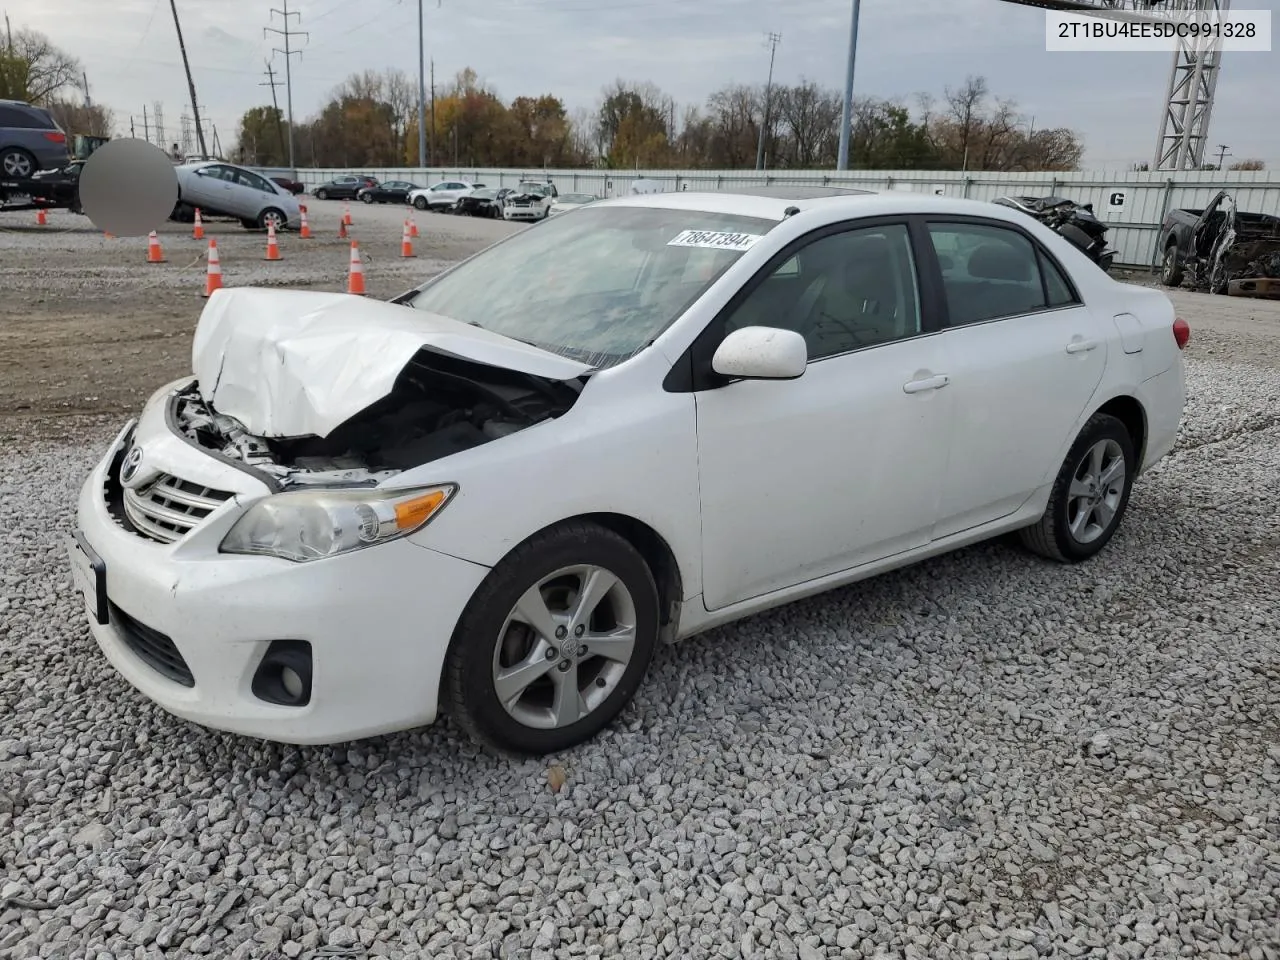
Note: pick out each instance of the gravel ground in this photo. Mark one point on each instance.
(985, 756)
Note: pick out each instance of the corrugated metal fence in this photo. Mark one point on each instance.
(1133, 204)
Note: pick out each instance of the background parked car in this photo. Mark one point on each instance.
(344, 188)
(393, 191)
(486, 202)
(531, 200)
(293, 186)
(570, 201)
(222, 189)
(30, 140)
(443, 195)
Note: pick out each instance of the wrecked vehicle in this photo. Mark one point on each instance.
(498, 493)
(1075, 221)
(1222, 250)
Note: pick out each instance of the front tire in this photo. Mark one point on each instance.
(1090, 495)
(1170, 268)
(420, 203)
(322, 194)
(272, 215)
(554, 643)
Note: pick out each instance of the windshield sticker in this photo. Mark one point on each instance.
(714, 240)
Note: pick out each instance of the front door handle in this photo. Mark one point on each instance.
(930, 383)
(1081, 346)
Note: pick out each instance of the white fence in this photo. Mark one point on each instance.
(1133, 204)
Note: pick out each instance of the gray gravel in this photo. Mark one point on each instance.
(986, 756)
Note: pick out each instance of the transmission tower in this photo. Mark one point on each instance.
(288, 52)
(157, 110)
(1193, 79)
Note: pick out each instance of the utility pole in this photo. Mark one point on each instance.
(132, 135)
(433, 108)
(87, 102)
(773, 39)
(846, 116)
(272, 82)
(191, 84)
(422, 93)
(9, 30)
(288, 73)
(146, 127)
(1222, 154)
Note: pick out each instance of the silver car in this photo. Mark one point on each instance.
(223, 189)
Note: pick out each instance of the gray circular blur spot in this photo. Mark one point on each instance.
(128, 187)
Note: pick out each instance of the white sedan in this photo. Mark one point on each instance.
(498, 494)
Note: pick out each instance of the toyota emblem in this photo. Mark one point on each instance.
(129, 469)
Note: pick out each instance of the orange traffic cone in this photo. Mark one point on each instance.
(154, 253)
(342, 230)
(197, 231)
(346, 214)
(41, 219)
(355, 277)
(304, 232)
(413, 227)
(273, 247)
(108, 235)
(406, 244)
(213, 279)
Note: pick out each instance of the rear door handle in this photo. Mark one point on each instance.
(1081, 346)
(930, 383)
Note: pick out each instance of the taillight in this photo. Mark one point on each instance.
(56, 136)
(1181, 333)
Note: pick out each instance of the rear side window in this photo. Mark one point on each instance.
(988, 272)
(25, 118)
(1056, 285)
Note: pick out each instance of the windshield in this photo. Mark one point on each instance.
(577, 198)
(598, 286)
(484, 194)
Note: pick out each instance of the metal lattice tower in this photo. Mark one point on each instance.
(1193, 79)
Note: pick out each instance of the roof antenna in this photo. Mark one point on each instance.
(790, 212)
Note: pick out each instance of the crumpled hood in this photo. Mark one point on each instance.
(292, 363)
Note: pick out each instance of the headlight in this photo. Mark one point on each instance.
(313, 524)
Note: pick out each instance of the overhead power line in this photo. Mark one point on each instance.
(288, 52)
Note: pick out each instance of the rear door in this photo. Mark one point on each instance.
(1025, 357)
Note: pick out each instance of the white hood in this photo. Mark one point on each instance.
(291, 363)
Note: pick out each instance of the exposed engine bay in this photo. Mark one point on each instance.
(439, 406)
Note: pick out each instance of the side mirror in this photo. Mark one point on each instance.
(761, 353)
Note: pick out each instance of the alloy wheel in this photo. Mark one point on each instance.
(1096, 490)
(564, 647)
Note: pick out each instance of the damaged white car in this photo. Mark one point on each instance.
(496, 495)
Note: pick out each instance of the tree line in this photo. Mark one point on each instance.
(371, 120)
(34, 70)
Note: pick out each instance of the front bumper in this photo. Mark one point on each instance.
(379, 622)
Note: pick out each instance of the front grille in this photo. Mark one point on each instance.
(153, 648)
(168, 507)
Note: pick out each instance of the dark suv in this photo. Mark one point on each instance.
(30, 140)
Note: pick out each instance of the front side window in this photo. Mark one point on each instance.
(598, 286)
(988, 272)
(842, 292)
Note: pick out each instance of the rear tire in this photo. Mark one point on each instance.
(1089, 496)
(1171, 268)
(544, 707)
(367, 198)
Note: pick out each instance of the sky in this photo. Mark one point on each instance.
(573, 48)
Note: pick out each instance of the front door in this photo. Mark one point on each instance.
(1025, 357)
(805, 478)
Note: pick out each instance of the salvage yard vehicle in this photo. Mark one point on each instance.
(393, 191)
(223, 189)
(570, 201)
(496, 494)
(442, 196)
(1222, 250)
(1075, 221)
(483, 203)
(530, 200)
(30, 141)
(344, 188)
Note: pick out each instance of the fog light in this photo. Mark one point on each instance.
(284, 675)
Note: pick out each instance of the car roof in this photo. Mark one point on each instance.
(753, 202)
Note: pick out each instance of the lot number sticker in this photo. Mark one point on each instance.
(714, 240)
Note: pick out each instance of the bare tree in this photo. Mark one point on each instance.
(964, 107)
(810, 116)
(34, 69)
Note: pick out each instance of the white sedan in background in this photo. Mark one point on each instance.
(570, 201)
(498, 494)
